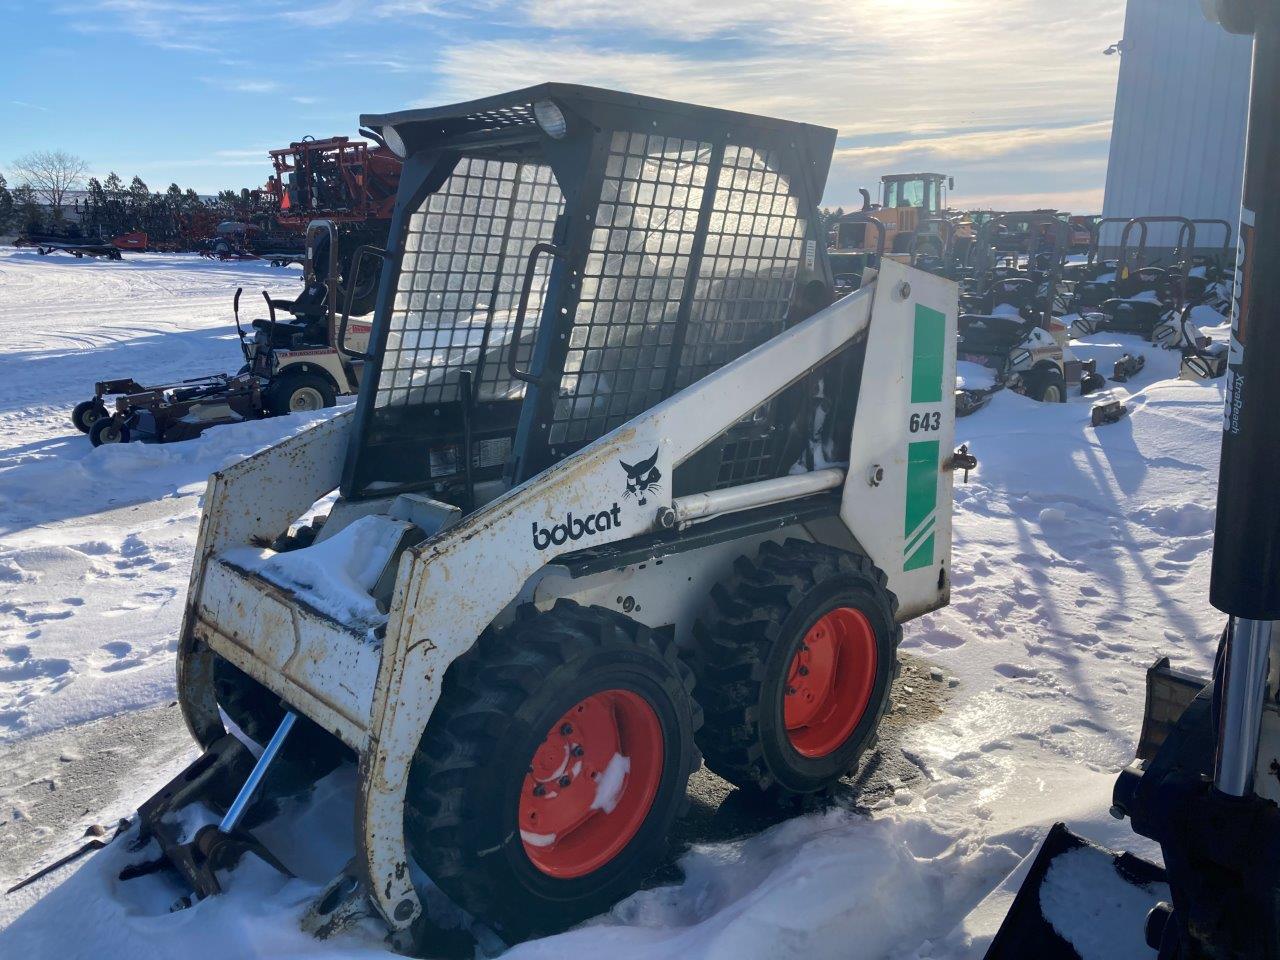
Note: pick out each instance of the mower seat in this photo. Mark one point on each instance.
(1145, 280)
(989, 336)
(1092, 293)
(286, 334)
(1133, 316)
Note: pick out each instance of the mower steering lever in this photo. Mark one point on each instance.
(963, 460)
(235, 310)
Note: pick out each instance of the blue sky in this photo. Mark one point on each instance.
(1012, 97)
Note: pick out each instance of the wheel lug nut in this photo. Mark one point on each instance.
(577, 750)
(539, 790)
(803, 671)
(566, 729)
(565, 781)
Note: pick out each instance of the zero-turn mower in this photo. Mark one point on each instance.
(290, 366)
(625, 488)
(1009, 324)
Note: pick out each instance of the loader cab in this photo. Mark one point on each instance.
(905, 200)
(561, 259)
(925, 192)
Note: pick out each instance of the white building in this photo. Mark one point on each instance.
(1177, 143)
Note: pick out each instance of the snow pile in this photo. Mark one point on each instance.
(335, 576)
(974, 376)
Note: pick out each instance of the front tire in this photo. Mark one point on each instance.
(794, 665)
(1045, 384)
(86, 413)
(552, 768)
(106, 430)
(299, 393)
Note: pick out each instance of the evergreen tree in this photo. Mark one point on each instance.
(138, 204)
(6, 205)
(114, 218)
(93, 212)
(28, 208)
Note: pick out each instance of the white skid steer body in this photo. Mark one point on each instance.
(377, 697)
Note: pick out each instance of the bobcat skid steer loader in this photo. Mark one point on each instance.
(623, 489)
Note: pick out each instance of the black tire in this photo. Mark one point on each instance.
(86, 413)
(106, 430)
(365, 295)
(1045, 384)
(287, 390)
(499, 702)
(744, 650)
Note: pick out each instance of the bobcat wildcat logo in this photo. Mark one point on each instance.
(642, 478)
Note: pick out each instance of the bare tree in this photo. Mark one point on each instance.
(51, 173)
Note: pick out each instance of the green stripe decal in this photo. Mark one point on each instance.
(922, 501)
(926, 356)
(922, 557)
(918, 537)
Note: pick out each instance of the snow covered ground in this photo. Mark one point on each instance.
(1080, 555)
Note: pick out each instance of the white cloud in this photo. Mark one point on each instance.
(980, 146)
(1018, 87)
(1083, 201)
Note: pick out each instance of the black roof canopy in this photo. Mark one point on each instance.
(510, 116)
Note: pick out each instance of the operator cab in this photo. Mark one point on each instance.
(562, 258)
(923, 191)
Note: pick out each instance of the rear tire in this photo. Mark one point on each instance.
(498, 773)
(86, 413)
(1046, 385)
(106, 430)
(763, 653)
(298, 393)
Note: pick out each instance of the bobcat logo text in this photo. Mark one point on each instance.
(575, 528)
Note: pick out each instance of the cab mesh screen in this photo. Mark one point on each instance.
(749, 263)
(641, 247)
(646, 251)
(459, 283)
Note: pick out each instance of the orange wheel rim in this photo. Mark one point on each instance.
(829, 682)
(590, 784)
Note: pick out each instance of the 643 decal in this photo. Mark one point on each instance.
(925, 422)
